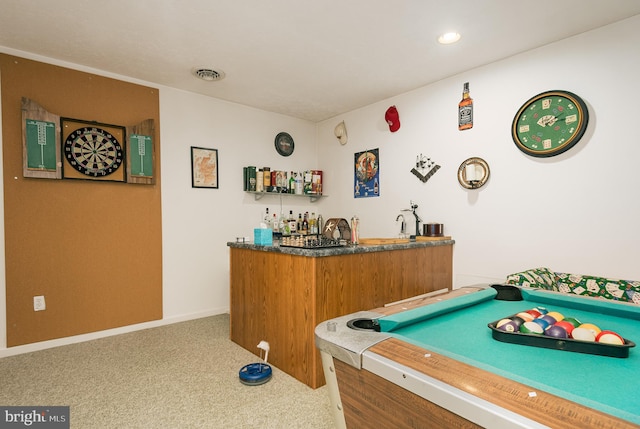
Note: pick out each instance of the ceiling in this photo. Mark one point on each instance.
(307, 59)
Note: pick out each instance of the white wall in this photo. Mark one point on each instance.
(576, 212)
(197, 223)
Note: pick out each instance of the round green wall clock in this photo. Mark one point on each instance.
(550, 123)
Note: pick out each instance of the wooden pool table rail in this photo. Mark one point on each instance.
(543, 407)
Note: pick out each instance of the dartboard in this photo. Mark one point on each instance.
(93, 151)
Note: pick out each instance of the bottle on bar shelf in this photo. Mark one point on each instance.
(313, 226)
(292, 223)
(305, 223)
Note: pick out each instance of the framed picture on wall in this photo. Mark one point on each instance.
(204, 168)
(366, 174)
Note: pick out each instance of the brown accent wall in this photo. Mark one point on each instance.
(93, 249)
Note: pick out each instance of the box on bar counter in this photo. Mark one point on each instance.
(263, 236)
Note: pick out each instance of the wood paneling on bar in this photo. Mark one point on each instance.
(281, 298)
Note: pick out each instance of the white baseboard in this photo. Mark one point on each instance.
(33, 347)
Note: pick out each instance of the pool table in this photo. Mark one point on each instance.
(433, 362)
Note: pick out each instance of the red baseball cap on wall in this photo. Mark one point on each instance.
(393, 119)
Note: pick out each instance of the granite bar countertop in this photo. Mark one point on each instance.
(342, 250)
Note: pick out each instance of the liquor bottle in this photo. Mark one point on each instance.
(313, 226)
(275, 225)
(299, 183)
(320, 223)
(267, 218)
(299, 224)
(292, 184)
(283, 224)
(292, 223)
(465, 109)
(305, 223)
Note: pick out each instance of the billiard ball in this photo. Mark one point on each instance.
(575, 322)
(590, 326)
(535, 313)
(548, 318)
(583, 334)
(542, 310)
(565, 325)
(525, 316)
(502, 322)
(610, 337)
(518, 321)
(542, 322)
(555, 315)
(531, 328)
(556, 332)
(509, 326)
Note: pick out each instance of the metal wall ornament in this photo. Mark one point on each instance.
(473, 173)
(425, 168)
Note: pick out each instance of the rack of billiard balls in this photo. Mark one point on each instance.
(552, 325)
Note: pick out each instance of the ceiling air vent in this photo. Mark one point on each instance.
(208, 74)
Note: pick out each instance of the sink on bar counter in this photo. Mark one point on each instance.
(280, 294)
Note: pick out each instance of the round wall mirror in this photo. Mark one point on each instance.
(473, 173)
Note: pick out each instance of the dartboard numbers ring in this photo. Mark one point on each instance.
(93, 151)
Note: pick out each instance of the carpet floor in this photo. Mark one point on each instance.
(183, 375)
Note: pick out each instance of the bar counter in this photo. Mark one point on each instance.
(279, 294)
(344, 250)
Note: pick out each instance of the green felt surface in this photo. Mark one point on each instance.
(458, 328)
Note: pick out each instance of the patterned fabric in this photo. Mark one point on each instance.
(541, 277)
(599, 287)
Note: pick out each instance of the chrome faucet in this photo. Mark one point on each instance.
(403, 225)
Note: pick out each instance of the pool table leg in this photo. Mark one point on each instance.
(334, 393)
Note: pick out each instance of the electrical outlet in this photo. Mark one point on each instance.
(39, 303)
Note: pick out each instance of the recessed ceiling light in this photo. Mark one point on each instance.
(207, 74)
(448, 38)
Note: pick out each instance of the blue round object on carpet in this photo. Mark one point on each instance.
(255, 374)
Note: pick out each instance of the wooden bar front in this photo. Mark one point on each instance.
(281, 297)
